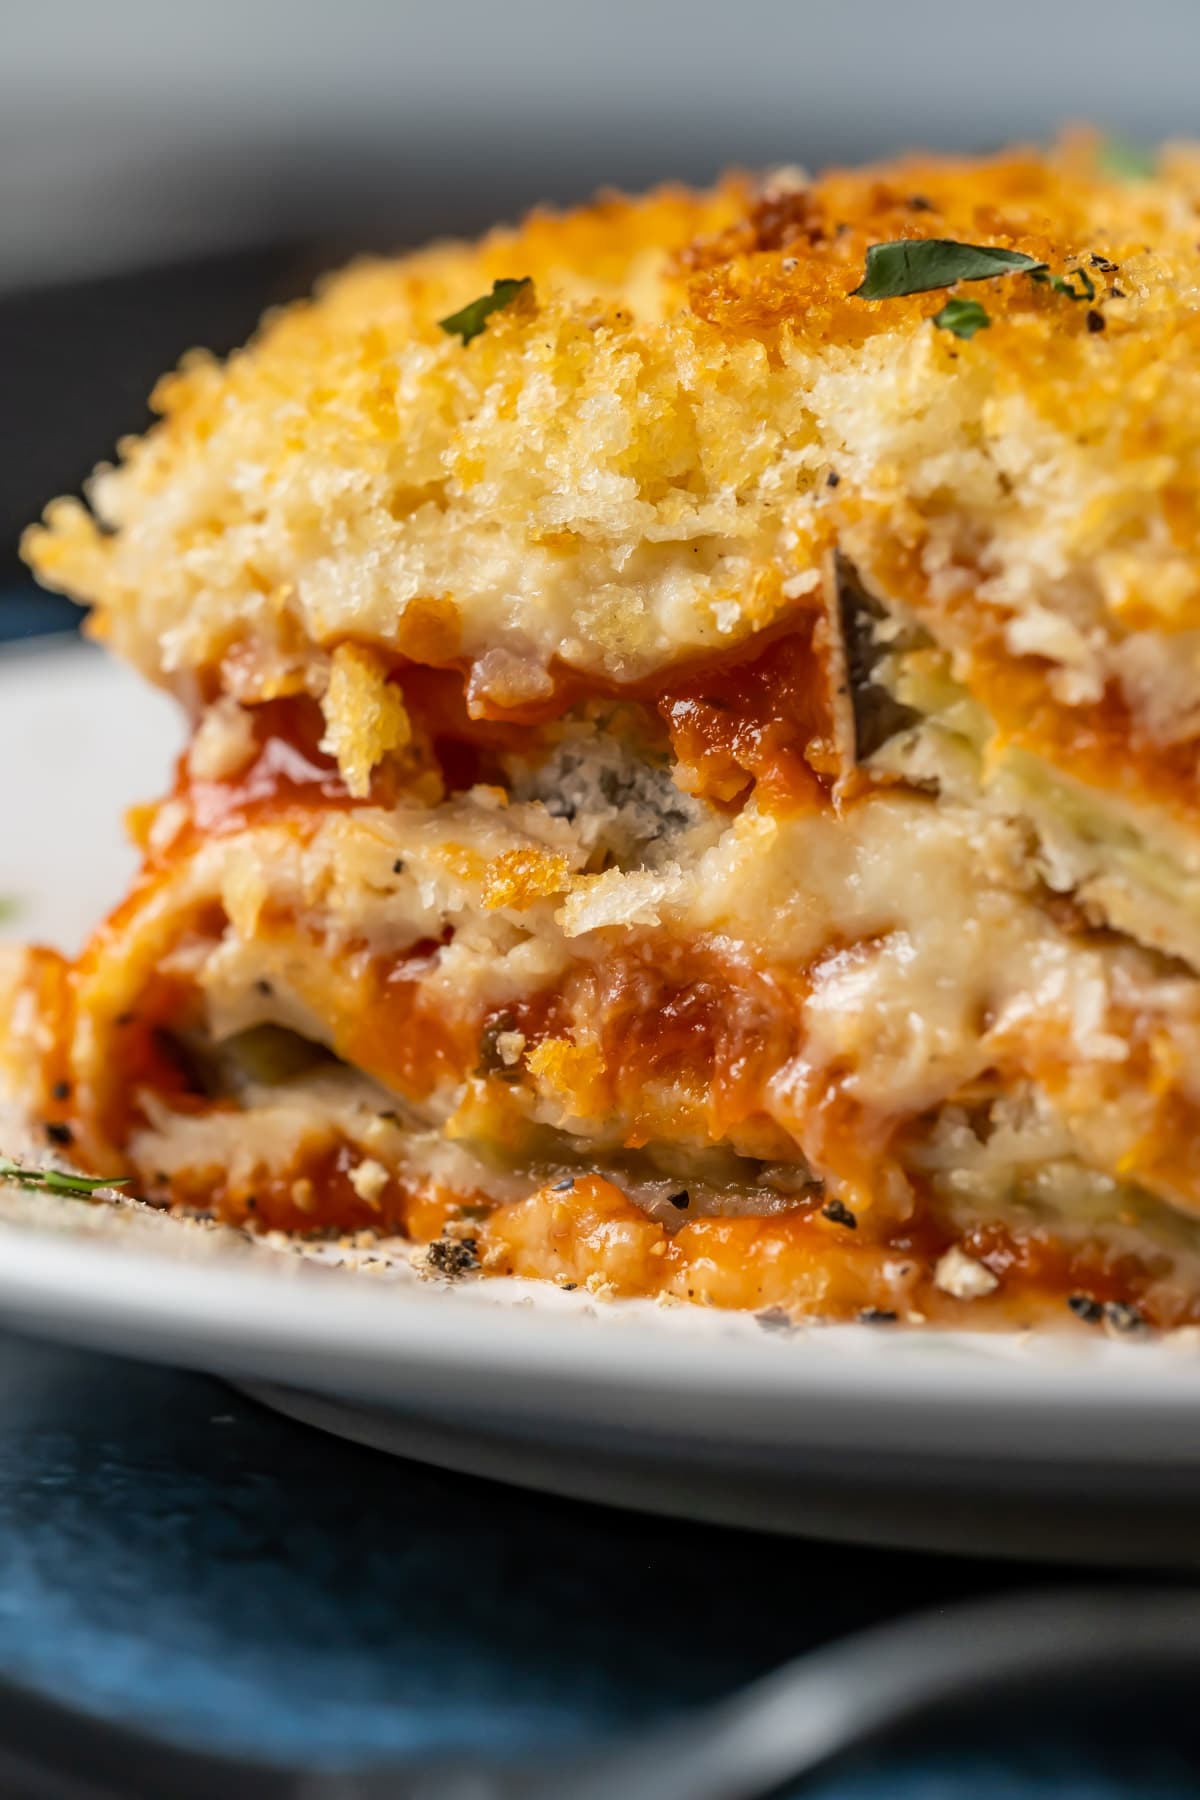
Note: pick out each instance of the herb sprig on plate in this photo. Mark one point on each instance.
(58, 1181)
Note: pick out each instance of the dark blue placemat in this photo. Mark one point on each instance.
(29, 613)
(174, 1556)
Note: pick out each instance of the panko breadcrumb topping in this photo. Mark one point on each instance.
(630, 465)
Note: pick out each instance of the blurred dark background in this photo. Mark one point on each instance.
(166, 172)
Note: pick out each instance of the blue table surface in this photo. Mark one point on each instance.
(173, 1556)
(28, 612)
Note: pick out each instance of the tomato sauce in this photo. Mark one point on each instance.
(288, 768)
(764, 722)
(799, 1264)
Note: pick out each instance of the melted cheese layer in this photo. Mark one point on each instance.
(810, 990)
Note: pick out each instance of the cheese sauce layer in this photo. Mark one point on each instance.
(881, 1008)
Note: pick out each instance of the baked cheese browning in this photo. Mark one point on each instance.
(634, 468)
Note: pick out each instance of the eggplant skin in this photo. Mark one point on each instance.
(877, 715)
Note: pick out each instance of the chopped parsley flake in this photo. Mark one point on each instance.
(470, 320)
(962, 317)
(919, 265)
(1062, 284)
(1126, 161)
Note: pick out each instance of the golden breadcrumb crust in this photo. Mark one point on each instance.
(630, 465)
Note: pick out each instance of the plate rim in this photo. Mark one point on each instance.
(338, 1331)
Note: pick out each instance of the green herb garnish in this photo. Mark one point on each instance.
(962, 317)
(918, 265)
(1126, 161)
(57, 1181)
(1062, 283)
(470, 320)
(10, 908)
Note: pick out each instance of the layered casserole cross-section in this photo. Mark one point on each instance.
(694, 777)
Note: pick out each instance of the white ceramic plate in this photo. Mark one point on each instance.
(1081, 1447)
